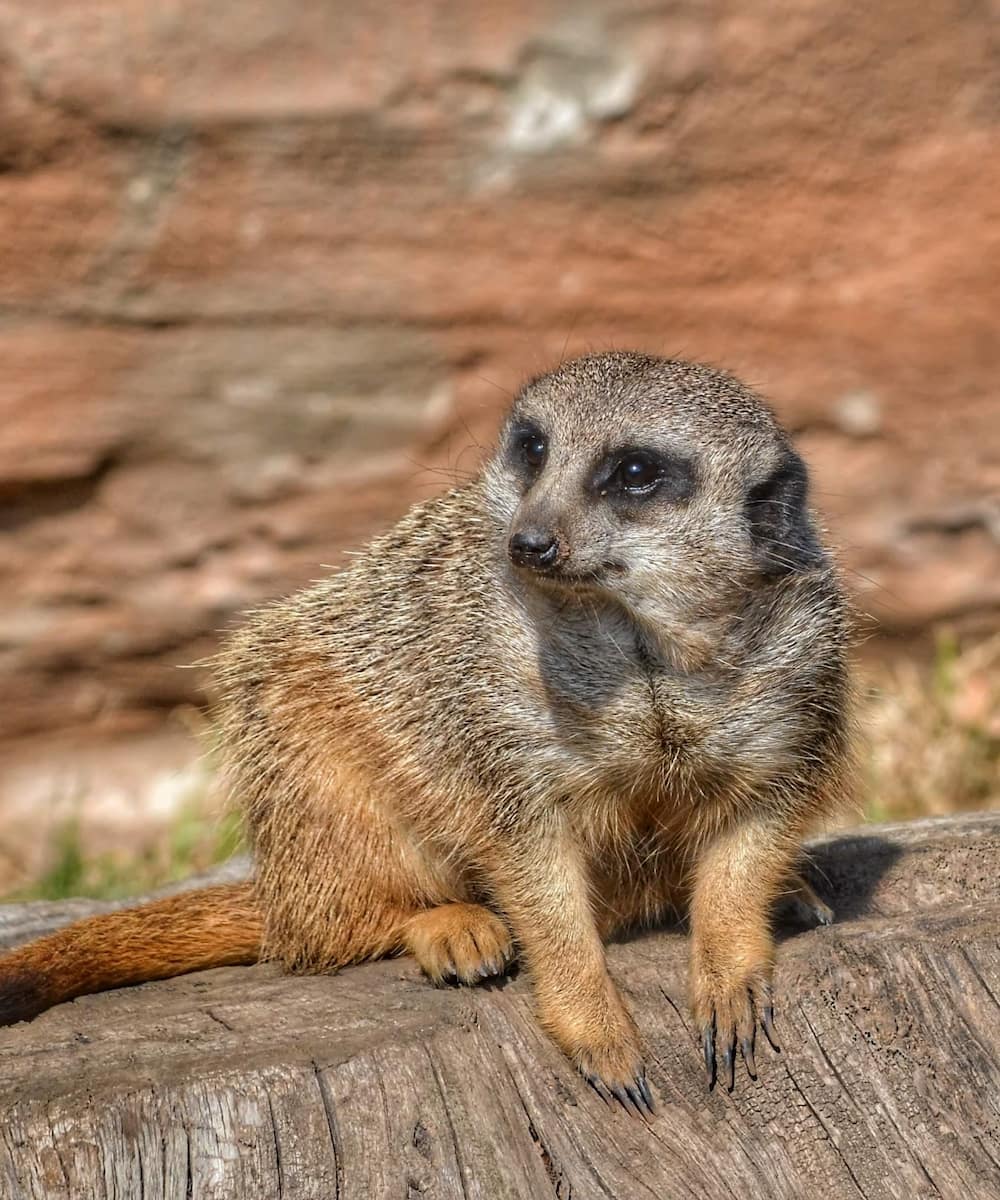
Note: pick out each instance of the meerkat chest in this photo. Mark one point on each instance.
(626, 720)
(645, 731)
(620, 724)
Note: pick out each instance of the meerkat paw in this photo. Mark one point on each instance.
(619, 1072)
(463, 942)
(727, 1011)
(605, 1047)
(802, 904)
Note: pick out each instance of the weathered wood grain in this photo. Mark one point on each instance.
(243, 1083)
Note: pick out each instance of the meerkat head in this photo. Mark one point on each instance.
(665, 486)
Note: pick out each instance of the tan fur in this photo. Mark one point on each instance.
(213, 927)
(442, 753)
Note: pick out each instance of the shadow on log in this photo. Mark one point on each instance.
(242, 1083)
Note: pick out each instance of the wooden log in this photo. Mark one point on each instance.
(243, 1083)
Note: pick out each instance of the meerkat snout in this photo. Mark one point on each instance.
(537, 548)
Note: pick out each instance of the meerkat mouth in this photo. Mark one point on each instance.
(592, 580)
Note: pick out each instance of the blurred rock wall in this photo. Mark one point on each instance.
(270, 269)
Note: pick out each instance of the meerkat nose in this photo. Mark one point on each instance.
(535, 548)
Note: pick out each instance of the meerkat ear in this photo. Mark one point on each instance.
(783, 536)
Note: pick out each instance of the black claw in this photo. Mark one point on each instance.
(641, 1098)
(767, 1022)
(599, 1086)
(708, 1044)
(729, 1065)
(746, 1048)
(628, 1097)
(633, 1093)
(634, 1098)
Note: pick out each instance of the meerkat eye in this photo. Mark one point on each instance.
(634, 474)
(532, 448)
(637, 474)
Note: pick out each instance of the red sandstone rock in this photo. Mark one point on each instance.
(269, 276)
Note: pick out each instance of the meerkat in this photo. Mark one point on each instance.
(603, 682)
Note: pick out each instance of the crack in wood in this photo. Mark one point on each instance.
(57, 1151)
(964, 951)
(986, 1150)
(331, 1124)
(189, 1175)
(904, 1141)
(826, 1131)
(420, 1139)
(829, 1062)
(451, 1126)
(553, 1170)
(276, 1140)
(14, 1187)
(218, 1020)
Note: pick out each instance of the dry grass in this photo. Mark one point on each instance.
(199, 832)
(194, 842)
(930, 733)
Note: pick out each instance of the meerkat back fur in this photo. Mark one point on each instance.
(603, 682)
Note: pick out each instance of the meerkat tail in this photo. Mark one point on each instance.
(211, 927)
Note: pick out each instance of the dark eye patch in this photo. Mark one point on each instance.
(638, 472)
(528, 447)
(777, 510)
